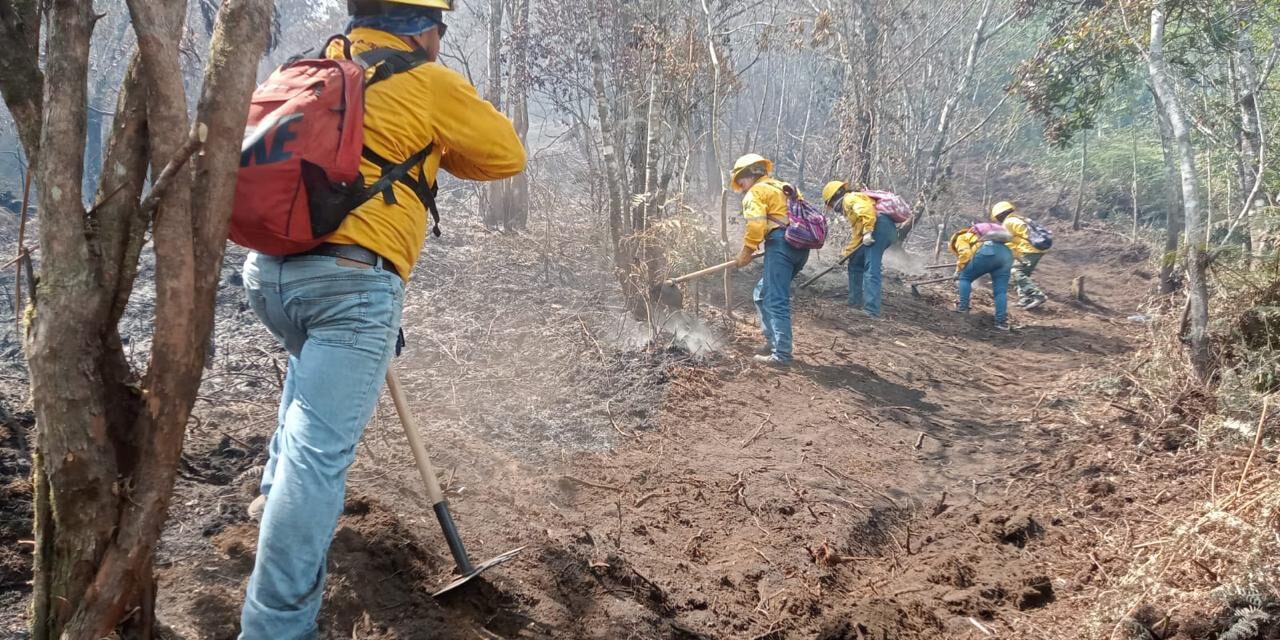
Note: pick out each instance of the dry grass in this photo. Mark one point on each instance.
(1193, 550)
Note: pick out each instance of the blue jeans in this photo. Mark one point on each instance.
(864, 267)
(782, 263)
(995, 259)
(338, 320)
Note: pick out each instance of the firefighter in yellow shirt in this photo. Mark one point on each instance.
(1026, 255)
(872, 234)
(337, 308)
(981, 250)
(764, 205)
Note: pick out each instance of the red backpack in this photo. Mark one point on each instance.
(300, 161)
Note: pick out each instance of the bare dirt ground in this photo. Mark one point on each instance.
(921, 476)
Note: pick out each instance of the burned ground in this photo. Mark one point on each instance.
(920, 476)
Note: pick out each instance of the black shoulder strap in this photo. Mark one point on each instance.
(319, 51)
(388, 62)
(399, 172)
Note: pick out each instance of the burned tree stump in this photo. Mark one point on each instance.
(1077, 289)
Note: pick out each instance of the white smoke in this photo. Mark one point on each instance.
(908, 264)
(680, 329)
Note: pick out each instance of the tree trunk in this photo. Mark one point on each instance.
(496, 209)
(76, 467)
(1250, 134)
(1173, 206)
(21, 81)
(518, 86)
(715, 146)
(869, 96)
(612, 170)
(764, 101)
(777, 125)
(1084, 167)
(1133, 186)
(653, 116)
(804, 141)
(108, 442)
(1198, 289)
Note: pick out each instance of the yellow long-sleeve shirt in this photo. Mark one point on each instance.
(860, 210)
(964, 243)
(765, 208)
(405, 113)
(1021, 243)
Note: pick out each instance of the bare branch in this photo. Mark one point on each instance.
(199, 134)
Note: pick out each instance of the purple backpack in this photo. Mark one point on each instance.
(806, 225)
(991, 232)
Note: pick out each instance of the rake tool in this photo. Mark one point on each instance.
(465, 569)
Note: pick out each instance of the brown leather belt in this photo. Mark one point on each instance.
(353, 252)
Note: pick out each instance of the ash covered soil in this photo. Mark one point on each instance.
(920, 476)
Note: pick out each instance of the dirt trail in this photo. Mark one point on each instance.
(877, 489)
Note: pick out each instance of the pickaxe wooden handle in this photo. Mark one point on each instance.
(826, 271)
(709, 270)
(933, 281)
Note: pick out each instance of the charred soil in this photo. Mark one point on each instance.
(918, 476)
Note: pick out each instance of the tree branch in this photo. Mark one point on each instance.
(228, 85)
(20, 78)
(199, 134)
(976, 127)
(120, 225)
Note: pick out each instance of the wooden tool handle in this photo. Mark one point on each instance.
(709, 270)
(934, 281)
(415, 439)
(826, 271)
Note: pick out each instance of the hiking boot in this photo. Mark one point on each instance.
(959, 309)
(771, 360)
(764, 350)
(1033, 303)
(256, 508)
(1003, 326)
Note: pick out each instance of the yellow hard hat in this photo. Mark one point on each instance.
(1001, 210)
(746, 162)
(446, 5)
(362, 7)
(829, 191)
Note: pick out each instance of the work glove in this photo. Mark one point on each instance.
(744, 257)
(867, 240)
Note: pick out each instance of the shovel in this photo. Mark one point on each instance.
(669, 293)
(466, 571)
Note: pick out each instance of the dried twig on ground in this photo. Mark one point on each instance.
(1257, 442)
